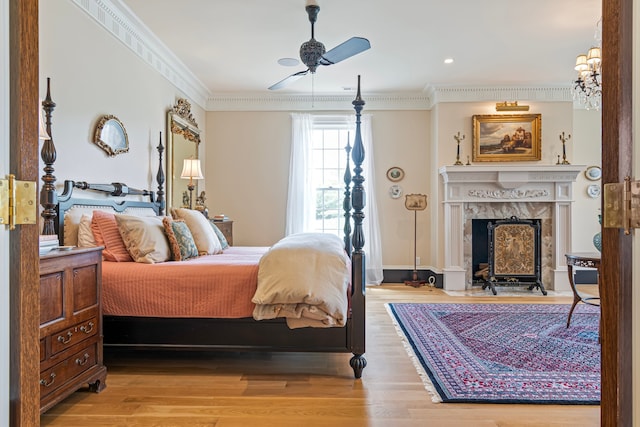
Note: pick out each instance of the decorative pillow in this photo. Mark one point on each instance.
(85, 235)
(223, 240)
(105, 230)
(144, 238)
(206, 240)
(180, 239)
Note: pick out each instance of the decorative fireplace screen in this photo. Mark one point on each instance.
(514, 254)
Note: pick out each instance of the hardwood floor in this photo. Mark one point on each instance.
(293, 389)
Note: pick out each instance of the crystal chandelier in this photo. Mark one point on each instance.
(587, 88)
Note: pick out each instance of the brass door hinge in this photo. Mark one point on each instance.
(622, 205)
(17, 202)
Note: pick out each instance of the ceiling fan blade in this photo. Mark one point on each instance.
(288, 80)
(345, 50)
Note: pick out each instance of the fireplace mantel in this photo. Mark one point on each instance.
(512, 183)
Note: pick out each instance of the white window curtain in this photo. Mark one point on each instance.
(300, 202)
(300, 198)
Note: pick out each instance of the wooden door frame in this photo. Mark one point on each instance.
(616, 407)
(617, 262)
(24, 354)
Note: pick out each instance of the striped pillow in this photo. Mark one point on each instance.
(105, 230)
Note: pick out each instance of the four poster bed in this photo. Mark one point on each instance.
(206, 328)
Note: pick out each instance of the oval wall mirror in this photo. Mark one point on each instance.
(111, 136)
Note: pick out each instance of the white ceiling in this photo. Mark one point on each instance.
(232, 46)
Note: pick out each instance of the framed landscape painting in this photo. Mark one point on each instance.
(507, 138)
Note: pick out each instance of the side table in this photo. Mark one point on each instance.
(587, 260)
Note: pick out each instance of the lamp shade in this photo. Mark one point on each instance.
(581, 63)
(191, 169)
(593, 56)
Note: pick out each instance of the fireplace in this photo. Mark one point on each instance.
(491, 192)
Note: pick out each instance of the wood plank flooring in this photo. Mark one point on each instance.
(293, 389)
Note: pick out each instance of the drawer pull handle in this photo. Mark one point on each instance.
(50, 383)
(64, 340)
(87, 329)
(82, 361)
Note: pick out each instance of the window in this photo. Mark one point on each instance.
(328, 162)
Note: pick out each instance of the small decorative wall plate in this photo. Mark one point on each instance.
(395, 174)
(395, 191)
(593, 173)
(593, 190)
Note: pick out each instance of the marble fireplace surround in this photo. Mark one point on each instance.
(500, 191)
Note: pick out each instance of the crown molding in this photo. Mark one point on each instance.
(118, 20)
(307, 102)
(399, 101)
(555, 93)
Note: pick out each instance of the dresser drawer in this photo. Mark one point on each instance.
(66, 338)
(66, 370)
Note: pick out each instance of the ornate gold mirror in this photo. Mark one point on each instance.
(111, 136)
(183, 138)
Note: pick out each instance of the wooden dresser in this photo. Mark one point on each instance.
(70, 324)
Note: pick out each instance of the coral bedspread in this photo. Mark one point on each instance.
(217, 286)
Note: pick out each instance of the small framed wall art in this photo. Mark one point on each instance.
(395, 174)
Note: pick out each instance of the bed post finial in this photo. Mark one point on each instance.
(48, 195)
(160, 177)
(358, 197)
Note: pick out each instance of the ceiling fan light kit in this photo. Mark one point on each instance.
(313, 53)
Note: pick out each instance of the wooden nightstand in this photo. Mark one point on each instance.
(70, 324)
(226, 227)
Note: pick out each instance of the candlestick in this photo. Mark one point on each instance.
(564, 152)
(458, 138)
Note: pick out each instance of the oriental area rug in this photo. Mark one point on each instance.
(503, 353)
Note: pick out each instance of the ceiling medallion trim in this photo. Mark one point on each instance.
(128, 29)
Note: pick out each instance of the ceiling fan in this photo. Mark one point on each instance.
(313, 53)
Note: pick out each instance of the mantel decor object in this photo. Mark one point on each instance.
(459, 138)
(415, 203)
(564, 140)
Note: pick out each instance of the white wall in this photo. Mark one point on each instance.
(93, 74)
(586, 145)
(248, 163)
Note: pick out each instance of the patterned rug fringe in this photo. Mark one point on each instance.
(428, 385)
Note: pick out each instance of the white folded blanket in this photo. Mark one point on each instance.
(304, 277)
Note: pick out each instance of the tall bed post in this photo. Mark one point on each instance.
(160, 178)
(358, 200)
(48, 195)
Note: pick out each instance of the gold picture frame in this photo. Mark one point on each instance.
(507, 138)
